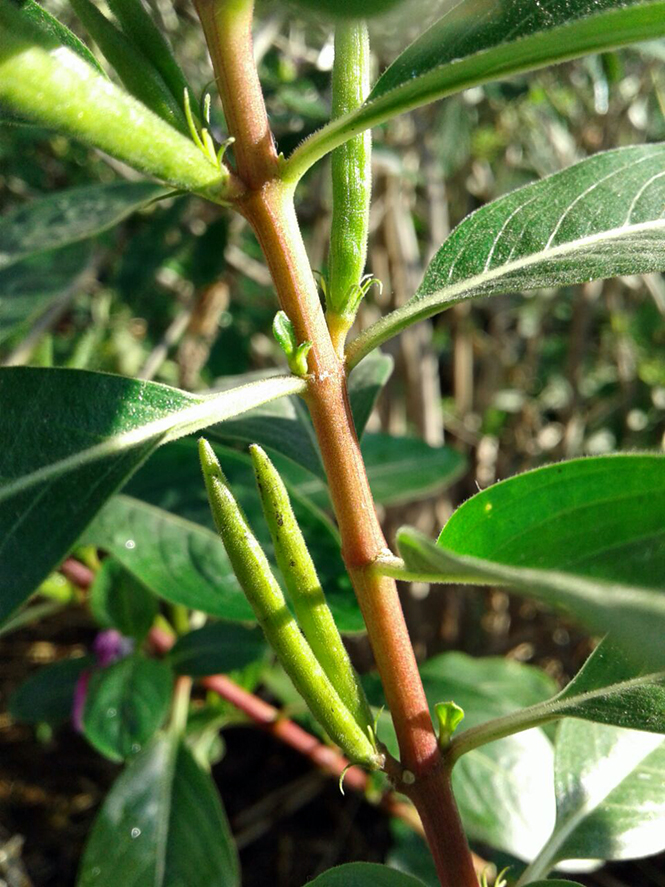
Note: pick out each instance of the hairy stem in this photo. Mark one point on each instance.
(268, 205)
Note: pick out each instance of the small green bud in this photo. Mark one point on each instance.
(285, 335)
(449, 716)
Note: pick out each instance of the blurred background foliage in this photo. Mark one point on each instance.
(179, 294)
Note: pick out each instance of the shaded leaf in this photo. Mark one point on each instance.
(599, 218)
(587, 535)
(366, 383)
(69, 216)
(30, 286)
(364, 874)
(120, 601)
(48, 694)
(217, 647)
(69, 439)
(505, 790)
(162, 824)
(62, 34)
(126, 704)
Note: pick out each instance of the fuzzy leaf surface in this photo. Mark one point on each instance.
(69, 439)
(600, 218)
(69, 216)
(472, 44)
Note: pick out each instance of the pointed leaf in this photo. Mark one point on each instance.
(52, 85)
(48, 694)
(162, 825)
(364, 874)
(600, 218)
(217, 647)
(587, 535)
(69, 216)
(120, 601)
(29, 287)
(505, 790)
(610, 787)
(469, 46)
(126, 704)
(62, 34)
(69, 439)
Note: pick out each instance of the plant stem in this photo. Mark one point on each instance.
(268, 205)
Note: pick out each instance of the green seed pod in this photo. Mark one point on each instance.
(280, 628)
(304, 588)
(136, 72)
(151, 43)
(351, 182)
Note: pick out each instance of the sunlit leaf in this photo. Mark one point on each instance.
(600, 218)
(69, 439)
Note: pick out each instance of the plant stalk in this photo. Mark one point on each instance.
(268, 206)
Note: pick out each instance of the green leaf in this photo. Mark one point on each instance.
(554, 883)
(610, 795)
(366, 382)
(600, 218)
(469, 46)
(364, 874)
(608, 689)
(118, 600)
(505, 790)
(48, 694)
(175, 551)
(402, 469)
(30, 286)
(50, 84)
(134, 70)
(69, 216)
(217, 647)
(69, 439)
(349, 8)
(126, 704)
(162, 825)
(586, 535)
(177, 559)
(62, 34)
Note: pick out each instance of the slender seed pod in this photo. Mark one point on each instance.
(305, 592)
(351, 182)
(149, 40)
(136, 72)
(280, 628)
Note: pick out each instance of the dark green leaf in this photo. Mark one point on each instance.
(348, 8)
(610, 790)
(554, 883)
(366, 383)
(62, 34)
(30, 286)
(126, 704)
(132, 67)
(48, 694)
(181, 561)
(69, 216)
(469, 46)
(161, 825)
(364, 874)
(504, 790)
(172, 481)
(586, 535)
(217, 647)
(118, 600)
(69, 439)
(600, 218)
